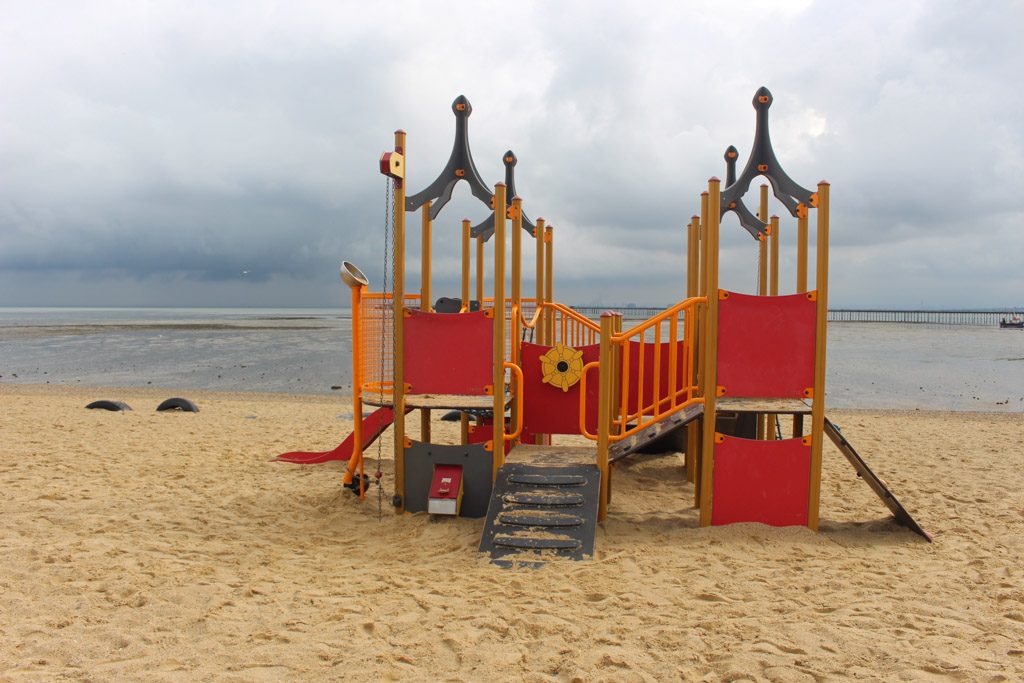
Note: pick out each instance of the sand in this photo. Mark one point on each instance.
(165, 547)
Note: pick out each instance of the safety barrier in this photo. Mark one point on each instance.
(653, 371)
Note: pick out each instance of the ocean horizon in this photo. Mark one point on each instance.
(308, 351)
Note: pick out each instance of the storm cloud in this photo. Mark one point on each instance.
(173, 154)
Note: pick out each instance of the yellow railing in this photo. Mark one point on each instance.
(554, 323)
(636, 405)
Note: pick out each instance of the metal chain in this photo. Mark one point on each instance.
(382, 312)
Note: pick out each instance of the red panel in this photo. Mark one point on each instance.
(648, 374)
(446, 482)
(448, 353)
(766, 345)
(546, 408)
(761, 481)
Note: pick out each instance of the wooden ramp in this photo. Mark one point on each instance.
(543, 506)
(655, 432)
(880, 488)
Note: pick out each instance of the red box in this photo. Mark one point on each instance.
(445, 496)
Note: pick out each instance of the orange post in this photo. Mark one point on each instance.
(517, 276)
(397, 306)
(549, 285)
(710, 355)
(357, 381)
(498, 382)
(604, 409)
(480, 271)
(820, 339)
(538, 235)
(465, 264)
(801, 249)
(425, 304)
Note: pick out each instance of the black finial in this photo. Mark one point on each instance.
(762, 98)
(461, 106)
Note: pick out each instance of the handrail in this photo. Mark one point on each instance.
(564, 310)
(693, 302)
(518, 412)
(664, 401)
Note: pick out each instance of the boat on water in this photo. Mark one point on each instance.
(1012, 322)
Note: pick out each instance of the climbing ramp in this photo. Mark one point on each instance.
(541, 511)
(880, 488)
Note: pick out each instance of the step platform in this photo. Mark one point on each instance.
(540, 512)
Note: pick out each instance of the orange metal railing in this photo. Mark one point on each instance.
(562, 325)
(637, 405)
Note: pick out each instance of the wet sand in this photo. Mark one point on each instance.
(165, 547)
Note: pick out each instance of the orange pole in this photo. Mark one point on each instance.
(820, 339)
(549, 284)
(398, 310)
(498, 379)
(425, 304)
(710, 359)
(357, 390)
(465, 264)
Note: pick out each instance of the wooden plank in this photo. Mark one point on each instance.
(552, 455)
(443, 401)
(791, 406)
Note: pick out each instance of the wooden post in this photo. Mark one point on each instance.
(762, 247)
(398, 321)
(702, 238)
(773, 282)
(480, 271)
(604, 409)
(820, 340)
(549, 284)
(498, 381)
(538, 235)
(425, 301)
(517, 279)
(692, 257)
(710, 359)
(801, 284)
(801, 249)
(465, 264)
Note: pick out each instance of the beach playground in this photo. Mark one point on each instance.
(522, 493)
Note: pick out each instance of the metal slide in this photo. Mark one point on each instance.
(877, 485)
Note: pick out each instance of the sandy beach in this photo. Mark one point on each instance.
(165, 547)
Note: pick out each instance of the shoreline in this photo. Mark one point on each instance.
(345, 396)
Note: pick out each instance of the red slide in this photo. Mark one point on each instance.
(374, 425)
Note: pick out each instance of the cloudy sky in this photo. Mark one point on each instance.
(224, 154)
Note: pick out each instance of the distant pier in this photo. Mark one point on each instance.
(840, 315)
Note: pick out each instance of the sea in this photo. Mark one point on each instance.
(308, 351)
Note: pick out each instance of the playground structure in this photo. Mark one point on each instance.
(720, 371)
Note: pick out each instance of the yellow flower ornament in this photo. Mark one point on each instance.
(562, 366)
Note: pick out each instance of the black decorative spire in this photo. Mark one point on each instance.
(762, 161)
(460, 166)
(486, 226)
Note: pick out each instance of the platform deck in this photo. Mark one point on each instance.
(786, 406)
(552, 455)
(440, 401)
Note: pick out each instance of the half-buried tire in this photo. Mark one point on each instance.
(182, 404)
(108, 405)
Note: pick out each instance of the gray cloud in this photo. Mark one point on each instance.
(166, 155)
